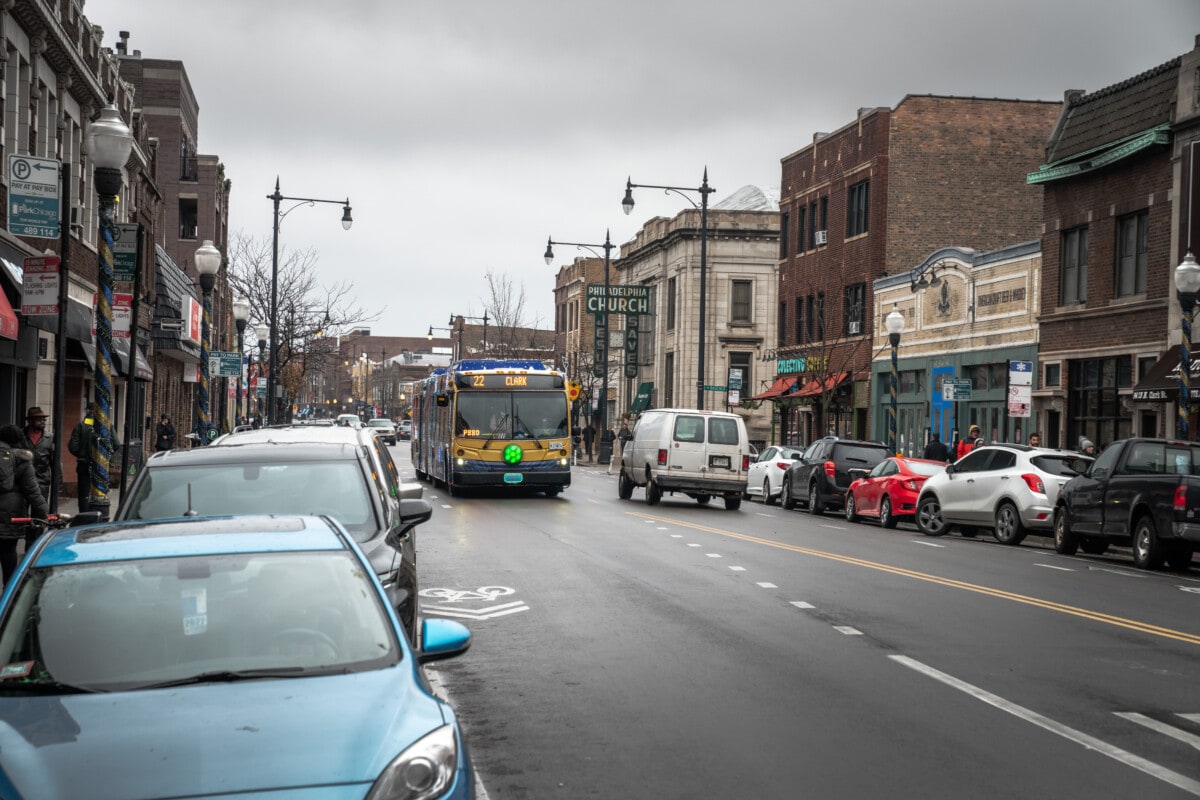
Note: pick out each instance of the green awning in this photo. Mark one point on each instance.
(1101, 156)
(641, 400)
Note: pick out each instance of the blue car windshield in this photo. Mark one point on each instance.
(122, 625)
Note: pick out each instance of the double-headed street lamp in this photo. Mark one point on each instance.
(241, 316)
(894, 322)
(454, 323)
(704, 190)
(602, 315)
(277, 198)
(1187, 283)
(208, 264)
(109, 142)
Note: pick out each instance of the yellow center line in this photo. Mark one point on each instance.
(1062, 608)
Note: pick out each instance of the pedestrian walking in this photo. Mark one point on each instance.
(624, 434)
(936, 450)
(970, 443)
(589, 436)
(19, 496)
(80, 446)
(164, 434)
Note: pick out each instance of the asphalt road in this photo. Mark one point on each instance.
(686, 651)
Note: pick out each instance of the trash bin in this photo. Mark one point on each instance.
(605, 454)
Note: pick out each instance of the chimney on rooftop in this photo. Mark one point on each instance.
(123, 45)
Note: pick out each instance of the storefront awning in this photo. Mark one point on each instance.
(121, 361)
(641, 400)
(781, 387)
(8, 318)
(1161, 384)
(816, 386)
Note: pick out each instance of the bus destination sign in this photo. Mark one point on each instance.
(516, 380)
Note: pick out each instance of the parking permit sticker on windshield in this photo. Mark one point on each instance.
(18, 669)
(195, 611)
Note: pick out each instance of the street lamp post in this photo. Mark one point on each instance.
(278, 198)
(705, 190)
(208, 264)
(241, 316)
(109, 142)
(263, 332)
(604, 309)
(894, 322)
(450, 331)
(1187, 283)
(454, 322)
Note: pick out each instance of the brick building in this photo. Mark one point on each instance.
(573, 326)
(873, 199)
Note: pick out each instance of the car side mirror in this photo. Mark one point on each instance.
(86, 518)
(442, 639)
(412, 513)
(443, 399)
(949, 469)
(857, 473)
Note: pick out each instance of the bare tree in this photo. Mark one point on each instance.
(505, 306)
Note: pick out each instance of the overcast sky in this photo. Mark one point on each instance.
(467, 131)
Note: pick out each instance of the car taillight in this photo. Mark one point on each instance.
(830, 468)
(745, 463)
(662, 458)
(783, 465)
(1034, 483)
(911, 485)
(1181, 498)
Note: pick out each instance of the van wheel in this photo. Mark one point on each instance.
(1065, 542)
(624, 486)
(733, 503)
(703, 499)
(1148, 549)
(814, 501)
(1009, 529)
(785, 495)
(653, 494)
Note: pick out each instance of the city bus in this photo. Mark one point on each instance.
(493, 423)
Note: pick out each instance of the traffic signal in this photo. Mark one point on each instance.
(573, 389)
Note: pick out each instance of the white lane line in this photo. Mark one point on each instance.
(834, 527)
(676, 535)
(444, 505)
(802, 604)
(738, 569)
(1079, 737)
(763, 514)
(713, 555)
(693, 544)
(439, 688)
(1190, 717)
(846, 629)
(1162, 727)
(768, 585)
(1126, 573)
(1051, 566)
(648, 521)
(662, 529)
(927, 544)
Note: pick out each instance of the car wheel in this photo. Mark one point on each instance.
(653, 494)
(1093, 547)
(929, 517)
(767, 499)
(814, 501)
(733, 503)
(1009, 529)
(785, 495)
(624, 485)
(885, 513)
(851, 515)
(703, 499)
(1065, 542)
(1148, 550)
(1179, 556)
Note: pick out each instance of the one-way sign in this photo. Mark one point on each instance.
(33, 196)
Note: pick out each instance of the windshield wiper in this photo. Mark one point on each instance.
(233, 676)
(495, 428)
(517, 421)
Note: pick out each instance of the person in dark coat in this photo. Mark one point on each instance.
(589, 436)
(624, 434)
(41, 444)
(936, 450)
(80, 446)
(20, 496)
(164, 435)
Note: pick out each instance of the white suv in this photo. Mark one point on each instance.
(1009, 488)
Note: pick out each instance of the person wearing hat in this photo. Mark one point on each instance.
(164, 434)
(20, 496)
(970, 443)
(1087, 447)
(80, 446)
(41, 444)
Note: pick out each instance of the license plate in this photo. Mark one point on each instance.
(719, 461)
(514, 477)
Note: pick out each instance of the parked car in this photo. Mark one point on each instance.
(820, 476)
(702, 454)
(765, 477)
(384, 428)
(1008, 488)
(218, 656)
(889, 491)
(1142, 493)
(404, 429)
(348, 421)
(309, 470)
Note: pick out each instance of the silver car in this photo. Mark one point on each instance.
(1009, 488)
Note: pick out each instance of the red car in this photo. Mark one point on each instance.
(889, 491)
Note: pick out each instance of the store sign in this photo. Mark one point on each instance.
(191, 311)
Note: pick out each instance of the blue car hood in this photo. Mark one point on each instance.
(329, 735)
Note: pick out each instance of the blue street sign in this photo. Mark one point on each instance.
(33, 196)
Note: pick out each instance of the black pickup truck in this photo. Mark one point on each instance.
(1141, 493)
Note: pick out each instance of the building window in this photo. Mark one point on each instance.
(670, 304)
(1131, 253)
(1074, 267)
(187, 160)
(784, 222)
(812, 228)
(1053, 376)
(912, 381)
(1144, 365)
(740, 363)
(820, 316)
(187, 218)
(825, 213)
(740, 303)
(1094, 402)
(811, 317)
(781, 327)
(856, 212)
(799, 322)
(855, 301)
(668, 386)
(800, 248)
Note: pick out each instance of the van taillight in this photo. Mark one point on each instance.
(746, 463)
(1181, 498)
(1034, 483)
(830, 468)
(662, 458)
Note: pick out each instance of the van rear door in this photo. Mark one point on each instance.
(723, 454)
(686, 457)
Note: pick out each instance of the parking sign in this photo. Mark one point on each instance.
(33, 196)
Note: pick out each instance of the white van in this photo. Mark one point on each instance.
(702, 454)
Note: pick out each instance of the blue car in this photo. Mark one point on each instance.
(231, 657)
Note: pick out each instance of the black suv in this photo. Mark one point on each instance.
(337, 479)
(820, 477)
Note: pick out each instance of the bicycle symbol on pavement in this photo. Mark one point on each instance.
(484, 594)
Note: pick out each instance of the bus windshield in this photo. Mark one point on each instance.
(511, 415)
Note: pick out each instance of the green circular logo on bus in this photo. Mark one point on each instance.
(512, 454)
